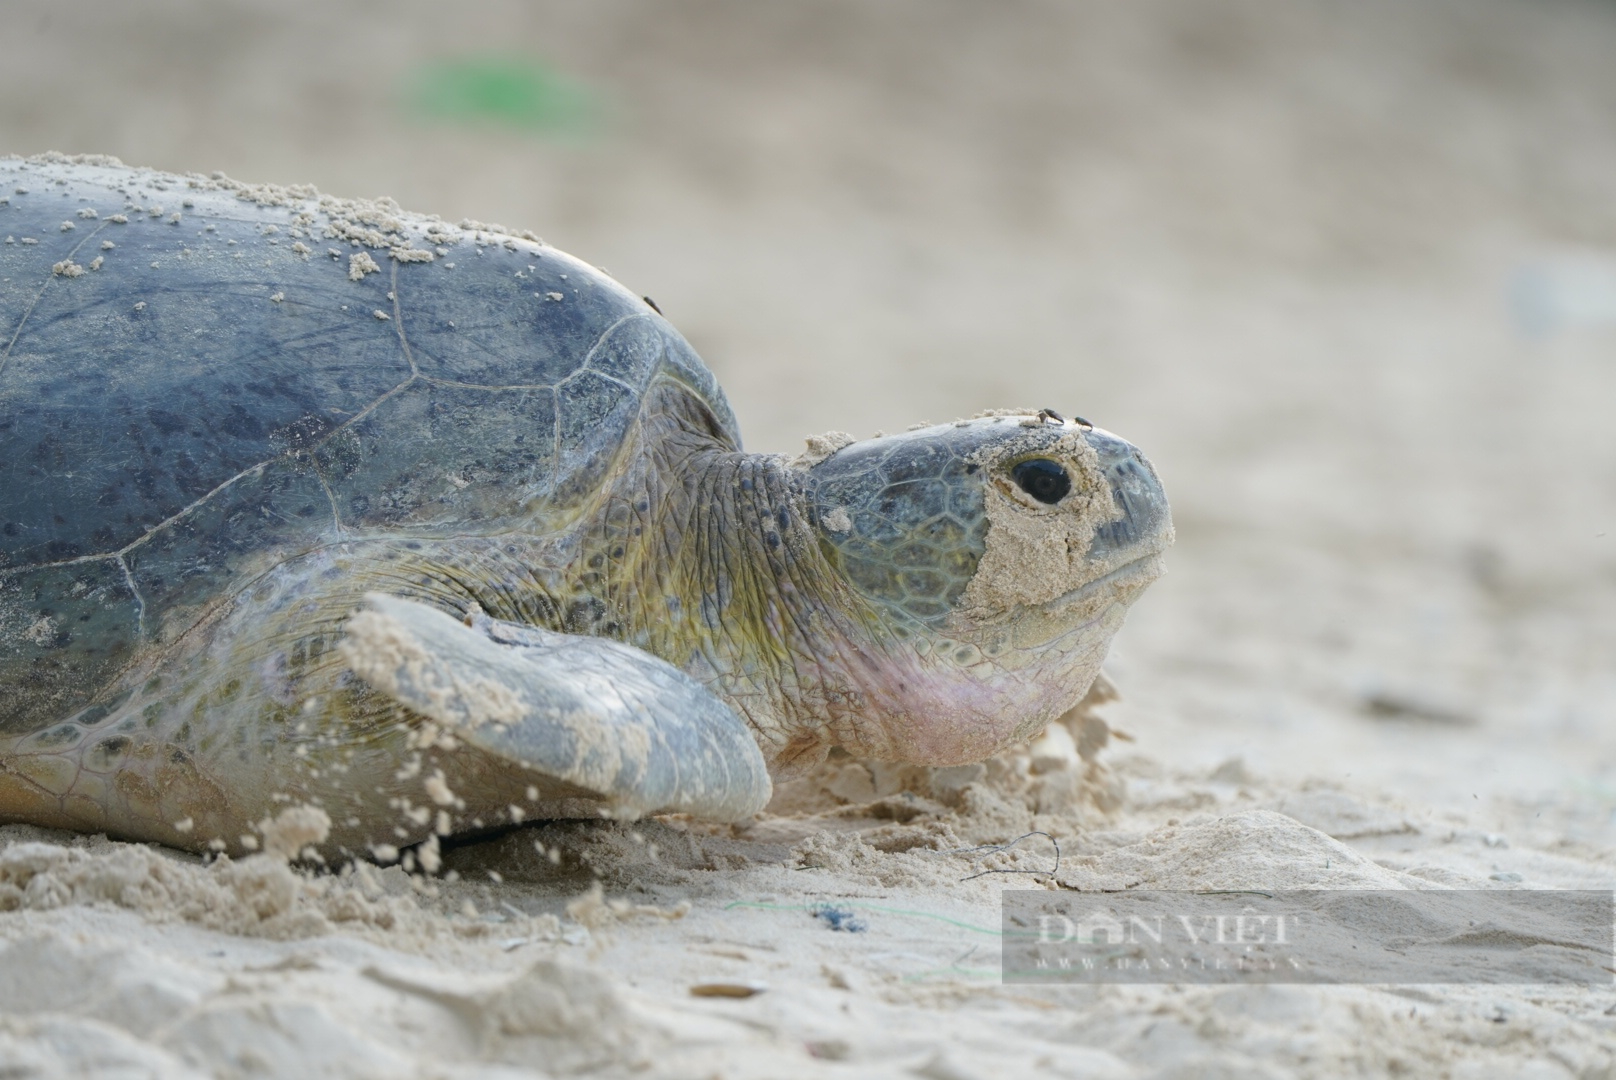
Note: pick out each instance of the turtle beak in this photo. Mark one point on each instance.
(1146, 524)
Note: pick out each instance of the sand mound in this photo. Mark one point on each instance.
(1254, 849)
(82, 1009)
(260, 895)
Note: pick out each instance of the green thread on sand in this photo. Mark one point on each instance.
(975, 973)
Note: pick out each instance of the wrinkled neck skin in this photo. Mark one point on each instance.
(704, 556)
(758, 616)
(713, 563)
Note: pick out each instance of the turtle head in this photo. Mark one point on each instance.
(995, 559)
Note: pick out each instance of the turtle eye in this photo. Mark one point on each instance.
(1043, 479)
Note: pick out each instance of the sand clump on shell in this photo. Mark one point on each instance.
(373, 225)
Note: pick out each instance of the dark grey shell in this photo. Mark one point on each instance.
(192, 387)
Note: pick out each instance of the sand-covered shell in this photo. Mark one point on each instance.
(197, 376)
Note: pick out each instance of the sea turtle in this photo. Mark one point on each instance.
(308, 502)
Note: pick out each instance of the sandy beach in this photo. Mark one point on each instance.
(1347, 274)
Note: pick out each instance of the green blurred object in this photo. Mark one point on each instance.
(501, 91)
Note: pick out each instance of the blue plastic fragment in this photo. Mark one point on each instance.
(839, 918)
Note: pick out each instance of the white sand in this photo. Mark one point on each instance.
(1272, 243)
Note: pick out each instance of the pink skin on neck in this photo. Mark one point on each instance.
(930, 711)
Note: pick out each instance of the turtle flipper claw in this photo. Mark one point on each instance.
(592, 712)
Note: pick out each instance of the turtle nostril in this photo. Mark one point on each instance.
(1043, 479)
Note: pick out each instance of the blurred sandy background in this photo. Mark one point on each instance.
(1346, 271)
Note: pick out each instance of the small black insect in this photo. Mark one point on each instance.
(1050, 416)
(1043, 479)
(652, 304)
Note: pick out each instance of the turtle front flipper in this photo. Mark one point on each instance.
(588, 711)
